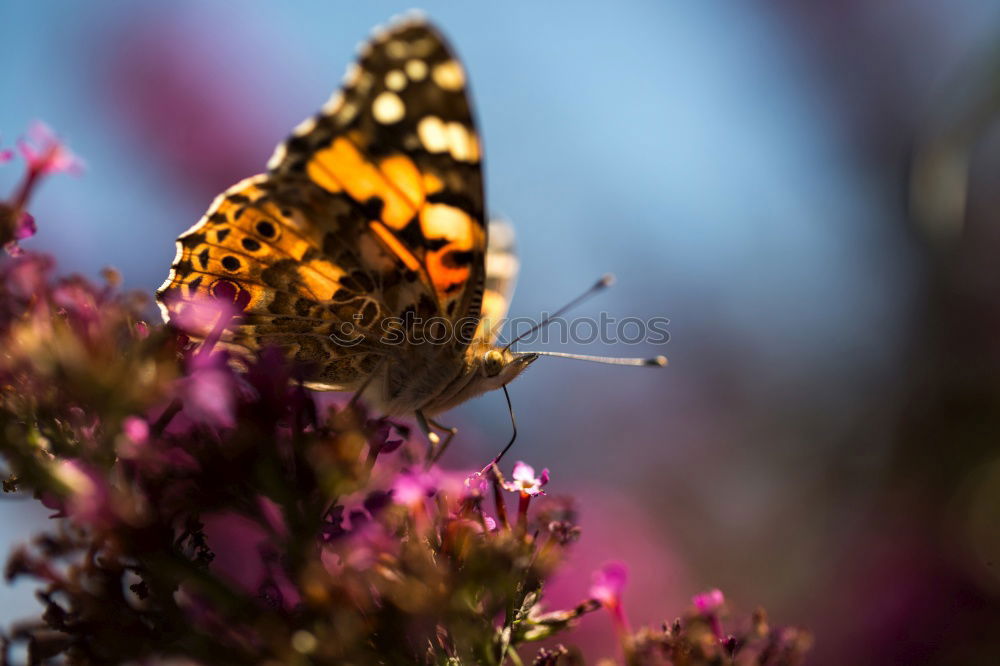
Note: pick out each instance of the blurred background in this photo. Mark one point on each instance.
(807, 191)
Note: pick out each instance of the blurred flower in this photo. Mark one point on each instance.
(87, 500)
(25, 226)
(379, 442)
(209, 391)
(609, 583)
(45, 153)
(412, 488)
(709, 604)
(172, 84)
(136, 429)
(207, 317)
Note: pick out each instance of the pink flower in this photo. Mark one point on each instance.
(6, 155)
(412, 488)
(45, 153)
(136, 429)
(475, 484)
(25, 226)
(609, 583)
(209, 395)
(708, 602)
(525, 482)
(27, 276)
(203, 317)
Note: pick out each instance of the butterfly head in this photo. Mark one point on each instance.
(499, 366)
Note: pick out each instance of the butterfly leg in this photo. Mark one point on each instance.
(432, 437)
(451, 430)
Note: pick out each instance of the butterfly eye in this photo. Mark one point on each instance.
(492, 363)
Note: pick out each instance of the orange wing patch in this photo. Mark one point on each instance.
(342, 166)
(449, 234)
(399, 141)
(451, 237)
(397, 248)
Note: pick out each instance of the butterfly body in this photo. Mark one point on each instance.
(444, 382)
(362, 252)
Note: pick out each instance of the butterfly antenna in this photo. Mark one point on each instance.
(654, 362)
(606, 281)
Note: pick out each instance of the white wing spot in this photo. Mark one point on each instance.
(449, 75)
(277, 157)
(395, 80)
(334, 103)
(352, 75)
(455, 138)
(388, 108)
(433, 134)
(501, 265)
(416, 69)
(459, 142)
(305, 127)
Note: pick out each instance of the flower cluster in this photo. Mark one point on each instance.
(44, 154)
(209, 515)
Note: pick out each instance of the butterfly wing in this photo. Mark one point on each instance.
(303, 287)
(371, 214)
(501, 274)
(399, 141)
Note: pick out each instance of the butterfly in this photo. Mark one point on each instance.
(364, 253)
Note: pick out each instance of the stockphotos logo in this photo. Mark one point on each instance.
(413, 330)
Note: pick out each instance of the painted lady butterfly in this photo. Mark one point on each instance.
(362, 252)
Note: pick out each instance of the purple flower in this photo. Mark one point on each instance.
(525, 482)
(379, 442)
